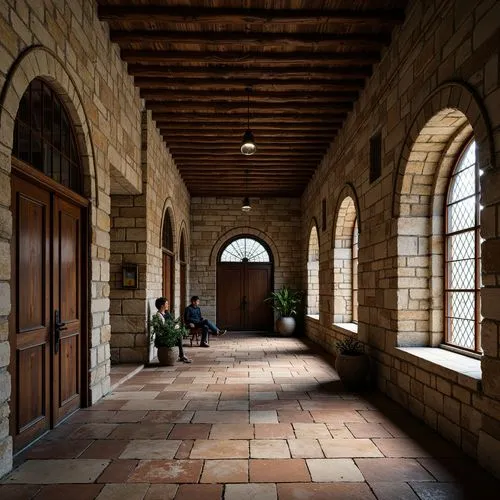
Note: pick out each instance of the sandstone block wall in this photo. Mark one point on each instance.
(442, 65)
(214, 221)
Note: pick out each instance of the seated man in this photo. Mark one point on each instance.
(162, 305)
(194, 319)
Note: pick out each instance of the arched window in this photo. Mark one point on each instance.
(345, 258)
(245, 250)
(355, 286)
(44, 137)
(462, 254)
(313, 273)
(167, 239)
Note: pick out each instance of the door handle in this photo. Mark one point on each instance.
(58, 328)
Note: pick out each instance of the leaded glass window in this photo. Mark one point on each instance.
(44, 137)
(463, 272)
(245, 250)
(167, 235)
(355, 249)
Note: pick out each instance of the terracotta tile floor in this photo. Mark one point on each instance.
(254, 417)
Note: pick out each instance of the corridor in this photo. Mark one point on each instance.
(254, 417)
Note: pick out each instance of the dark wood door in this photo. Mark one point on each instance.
(31, 316)
(67, 303)
(46, 361)
(241, 290)
(168, 278)
(183, 287)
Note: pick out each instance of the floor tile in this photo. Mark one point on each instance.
(233, 405)
(18, 491)
(205, 491)
(215, 417)
(319, 491)
(58, 471)
(232, 431)
(212, 448)
(441, 491)
(123, 491)
(73, 491)
(93, 431)
(400, 447)
(184, 449)
(151, 449)
(273, 431)
(294, 416)
(305, 448)
(168, 416)
(143, 430)
(307, 430)
(349, 448)
(392, 469)
(190, 431)
(105, 448)
(167, 471)
(269, 448)
(58, 449)
(263, 417)
(393, 491)
(155, 404)
(330, 470)
(225, 471)
(118, 471)
(278, 471)
(161, 492)
(250, 492)
(362, 430)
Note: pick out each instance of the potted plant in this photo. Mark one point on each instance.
(165, 335)
(352, 363)
(285, 302)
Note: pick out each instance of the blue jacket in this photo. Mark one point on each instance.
(192, 315)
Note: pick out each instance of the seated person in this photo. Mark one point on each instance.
(162, 305)
(194, 319)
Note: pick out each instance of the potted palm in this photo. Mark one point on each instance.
(166, 335)
(285, 302)
(352, 363)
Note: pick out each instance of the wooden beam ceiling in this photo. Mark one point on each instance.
(292, 74)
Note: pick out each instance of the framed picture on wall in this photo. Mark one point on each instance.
(130, 276)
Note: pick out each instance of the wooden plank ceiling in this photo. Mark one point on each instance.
(304, 61)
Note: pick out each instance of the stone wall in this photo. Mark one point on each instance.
(443, 64)
(136, 239)
(214, 221)
(64, 43)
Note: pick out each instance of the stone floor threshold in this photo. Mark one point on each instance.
(253, 417)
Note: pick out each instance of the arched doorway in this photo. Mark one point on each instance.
(49, 286)
(183, 273)
(244, 280)
(167, 243)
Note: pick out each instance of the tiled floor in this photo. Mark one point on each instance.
(253, 417)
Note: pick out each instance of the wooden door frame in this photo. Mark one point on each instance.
(27, 172)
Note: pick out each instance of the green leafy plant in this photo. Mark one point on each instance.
(285, 301)
(168, 332)
(350, 345)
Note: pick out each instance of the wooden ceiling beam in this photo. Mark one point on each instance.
(182, 128)
(243, 75)
(201, 142)
(241, 97)
(260, 17)
(241, 58)
(216, 107)
(229, 135)
(216, 120)
(149, 38)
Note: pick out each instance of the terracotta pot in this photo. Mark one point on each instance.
(353, 369)
(166, 356)
(285, 326)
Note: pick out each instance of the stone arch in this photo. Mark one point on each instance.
(168, 208)
(183, 233)
(40, 62)
(243, 230)
(345, 218)
(313, 269)
(443, 126)
(452, 96)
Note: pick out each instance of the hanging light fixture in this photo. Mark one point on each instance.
(248, 146)
(246, 200)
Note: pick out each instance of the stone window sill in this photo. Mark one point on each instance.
(346, 328)
(313, 316)
(456, 367)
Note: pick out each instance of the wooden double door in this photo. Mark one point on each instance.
(46, 319)
(241, 290)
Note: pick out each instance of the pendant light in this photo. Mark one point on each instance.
(248, 146)
(246, 200)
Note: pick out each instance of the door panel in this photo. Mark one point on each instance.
(230, 311)
(183, 278)
(67, 266)
(168, 278)
(259, 314)
(30, 337)
(241, 290)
